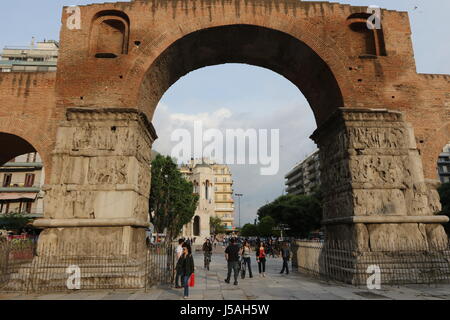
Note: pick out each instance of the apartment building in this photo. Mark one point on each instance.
(22, 179)
(304, 178)
(37, 57)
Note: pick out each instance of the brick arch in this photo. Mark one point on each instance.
(327, 51)
(20, 137)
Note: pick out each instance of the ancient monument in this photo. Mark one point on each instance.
(381, 125)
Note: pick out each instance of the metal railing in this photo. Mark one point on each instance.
(27, 267)
(396, 264)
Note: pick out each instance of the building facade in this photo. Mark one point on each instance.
(214, 184)
(22, 179)
(39, 57)
(223, 189)
(304, 178)
(443, 165)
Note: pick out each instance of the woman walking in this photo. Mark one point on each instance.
(246, 256)
(261, 259)
(187, 268)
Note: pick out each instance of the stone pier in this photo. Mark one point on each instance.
(100, 183)
(376, 199)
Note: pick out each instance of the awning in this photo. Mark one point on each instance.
(18, 195)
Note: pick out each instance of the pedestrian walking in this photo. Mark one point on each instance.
(286, 255)
(261, 259)
(232, 257)
(207, 253)
(178, 252)
(246, 250)
(187, 268)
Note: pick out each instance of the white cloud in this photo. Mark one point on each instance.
(295, 122)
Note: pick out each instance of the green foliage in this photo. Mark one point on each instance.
(444, 193)
(216, 226)
(301, 213)
(14, 221)
(249, 230)
(172, 202)
(266, 226)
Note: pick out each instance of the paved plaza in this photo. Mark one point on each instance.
(210, 285)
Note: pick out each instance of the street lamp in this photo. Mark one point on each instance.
(239, 195)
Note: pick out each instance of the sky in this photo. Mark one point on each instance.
(227, 96)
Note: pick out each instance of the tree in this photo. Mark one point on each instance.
(266, 226)
(302, 213)
(249, 230)
(444, 193)
(216, 226)
(14, 221)
(172, 202)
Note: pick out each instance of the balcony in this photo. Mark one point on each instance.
(31, 215)
(33, 189)
(19, 165)
(225, 209)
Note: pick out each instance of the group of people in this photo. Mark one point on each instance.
(233, 253)
(237, 257)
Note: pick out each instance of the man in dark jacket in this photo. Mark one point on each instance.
(232, 257)
(286, 255)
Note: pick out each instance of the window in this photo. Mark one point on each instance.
(28, 206)
(29, 179)
(7, 180)
(366, 41)
(207, 189)
(18, 58)
(42, 69)
(109, 37)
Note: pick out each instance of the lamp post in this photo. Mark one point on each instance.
(239, 195)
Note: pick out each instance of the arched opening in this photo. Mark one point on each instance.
(196, 187)
(248, 44)
(196, 226)
(207, 187)
(13, 146)
(366, 41)
(22, 177)
(109, 35)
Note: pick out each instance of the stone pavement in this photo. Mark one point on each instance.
(210, 285)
